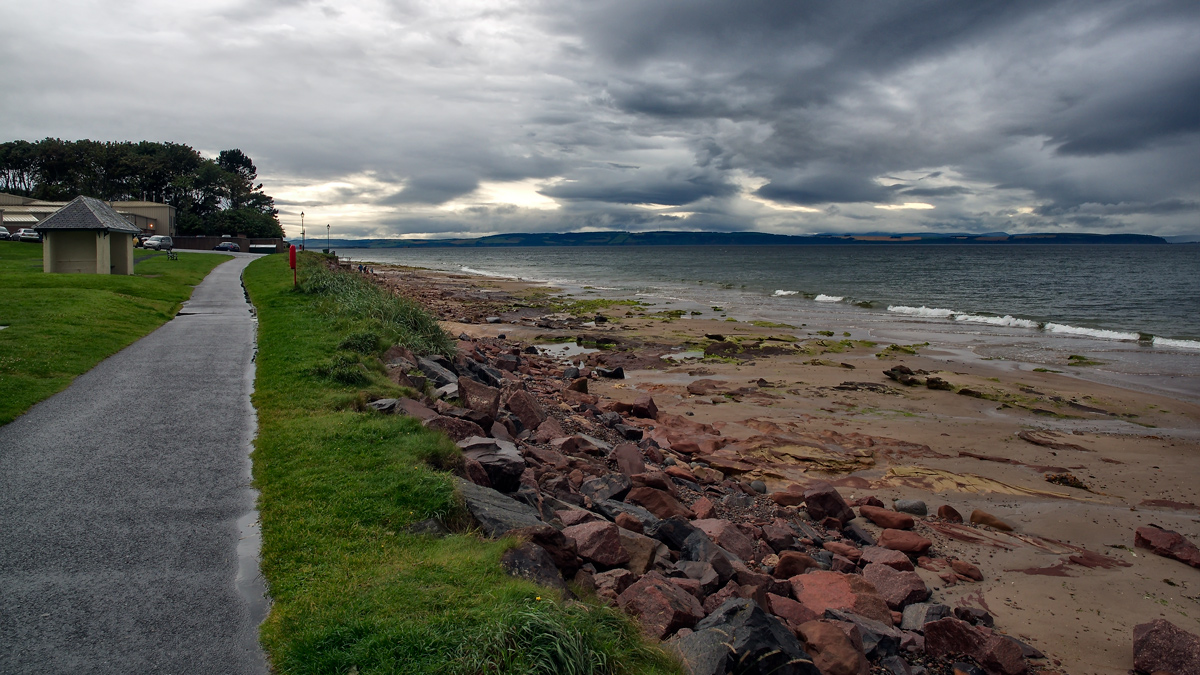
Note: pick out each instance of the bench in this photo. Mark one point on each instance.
(172, 255)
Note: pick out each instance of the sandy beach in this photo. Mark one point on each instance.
(790, 406)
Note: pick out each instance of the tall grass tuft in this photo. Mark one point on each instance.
(349, 296)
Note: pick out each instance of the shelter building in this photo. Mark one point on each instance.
(149, 217)
(88, 236)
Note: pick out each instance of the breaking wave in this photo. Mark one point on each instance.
(1090, 332)
(828, 298)
(783, 293)
(934, 312)
(471, 270)
(1006, 320)
(1180, 344)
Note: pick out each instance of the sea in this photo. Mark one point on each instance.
(1135, 309)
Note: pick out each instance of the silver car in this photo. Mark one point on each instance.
(27, 234)
(159, 242)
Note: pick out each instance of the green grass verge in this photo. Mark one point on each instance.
(352, 590)
(62, 325)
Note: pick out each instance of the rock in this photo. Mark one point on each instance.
(787, 498)
(820, 590)
(1002, 654)
(628, 522)
(918, 614)
(672, 531)
(1168, 544)
(658, 502)
(914, 507)
(629, 459)
(984, 518)
(894, 665)
(857, 532)
(726, 535)
(611, 486)
(560, 547)
(478, 396)
(500, 459)
(384, 405)
(532, 562)
(885, 556)
(1162, 647)
(548, 431)
(843, 564)
(495, 513)
(792, 563)
(703, 507)
(610, 508)
(699, 547)
(823, 501)
(879, 639)
(453, 427)
(431, 527)
(832, 651)
(527, 409)
(897, 588)
(757, 642)
(413, 408)
(599, 542)
(938, 383)
(608, 419)
(644, 407)
(615, 581)
(758, 486)
(791, 612)
(654, 479)
(966, 569)
(702, 572)
(949, 514)
(474, 472)
(974, 615)
(629, 433)
(904, 541)
(702, 653)
(642, 550)
(439, 374)
(998, 654)
(579, 384)
(571, 517)
(778, 537)
(617, 373)
(660, 606)
(887, 519)
(843, 549)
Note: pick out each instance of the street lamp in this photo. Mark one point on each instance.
(327, 237)
(301, 230)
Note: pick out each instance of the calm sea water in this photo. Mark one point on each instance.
(1139, 305)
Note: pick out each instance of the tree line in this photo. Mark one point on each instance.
(210, 196)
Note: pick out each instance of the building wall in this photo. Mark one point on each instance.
(75, 252)
(120, 246)
(161, 215)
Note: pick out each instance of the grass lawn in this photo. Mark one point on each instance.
(352, 590)
(59, 326)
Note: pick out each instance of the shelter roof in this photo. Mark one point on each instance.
(87, 213)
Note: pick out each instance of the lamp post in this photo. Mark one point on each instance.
(301, 230)
(327, 237)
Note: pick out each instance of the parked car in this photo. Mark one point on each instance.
(3, 234)
(159, 242)
(227, 246)
(27, 234)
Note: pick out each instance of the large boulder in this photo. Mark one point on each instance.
(823, 501)
(821, 590)
(500, 459)
(458, 429)
(527, 409)
(561, 549)
(478, 396)
(532, 562)
(642, 550)
(886, 556)
(439, 374)
(1167, 543)
(885, 518)
(610, 486)
(1161, 646)
(998, 654)
(792, 563)
(904, 541)
(672, 531)
(660, 606)
(629, 459)
(495, 513)
(644, 407)
(917, 615)
(879, 639)
(599, 542)
(832, 650)
(758, 644)
(658, 502)
(898, 588)
(727, 535)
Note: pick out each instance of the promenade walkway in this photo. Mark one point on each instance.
(127, 537)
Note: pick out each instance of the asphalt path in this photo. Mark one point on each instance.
(128, 541)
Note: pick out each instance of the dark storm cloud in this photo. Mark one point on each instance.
(408, 117)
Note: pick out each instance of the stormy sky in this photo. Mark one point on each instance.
(445, 118)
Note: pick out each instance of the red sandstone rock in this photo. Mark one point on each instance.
(579, 384)
(628, 522)
(778, 537)
(832, 651)
(658, 502)
(1162, 647)
(571, 517)
(904, 541)
(949, 514)
(1168, 544)
(886, 556)
(966, 569)
(984, 518)
(478, 396)
(598, 542)
(897, 588)
(628, 459)
(792, 563)
(703, 507)
(527, 409)
(821, 590)
(843, 549)
(644, 407)
(727, 536)
(455, 428)
(787, 498)
(660, 606)
(792, 612)
(887, 519)
(548, 431)
(823, 501)
(475, 472)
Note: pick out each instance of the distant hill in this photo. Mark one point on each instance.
(740, 239)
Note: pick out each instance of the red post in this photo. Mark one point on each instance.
(292, 263)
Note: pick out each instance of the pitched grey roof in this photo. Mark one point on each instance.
(86, 213)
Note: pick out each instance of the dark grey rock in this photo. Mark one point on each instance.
(447, 390)
(484, 373)
(571, 373)
(702, 652)
(738, 500)
(672, 531)
(437, 373)
(628, 432)
(914, 507)
(758, 643)
(699, 547)
(979, 617)
(879, 640)
(609, 508)
(896, 666)
(613, 486)
(758, 486)
(532, 562)
(918, 614)
(430, 526)
(617, 373)
(609, 419)
(705, 573)
(493, 512)
(385, 405)
(500, 459)
(856, 531)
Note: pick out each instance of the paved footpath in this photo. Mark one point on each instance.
(124, 505)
